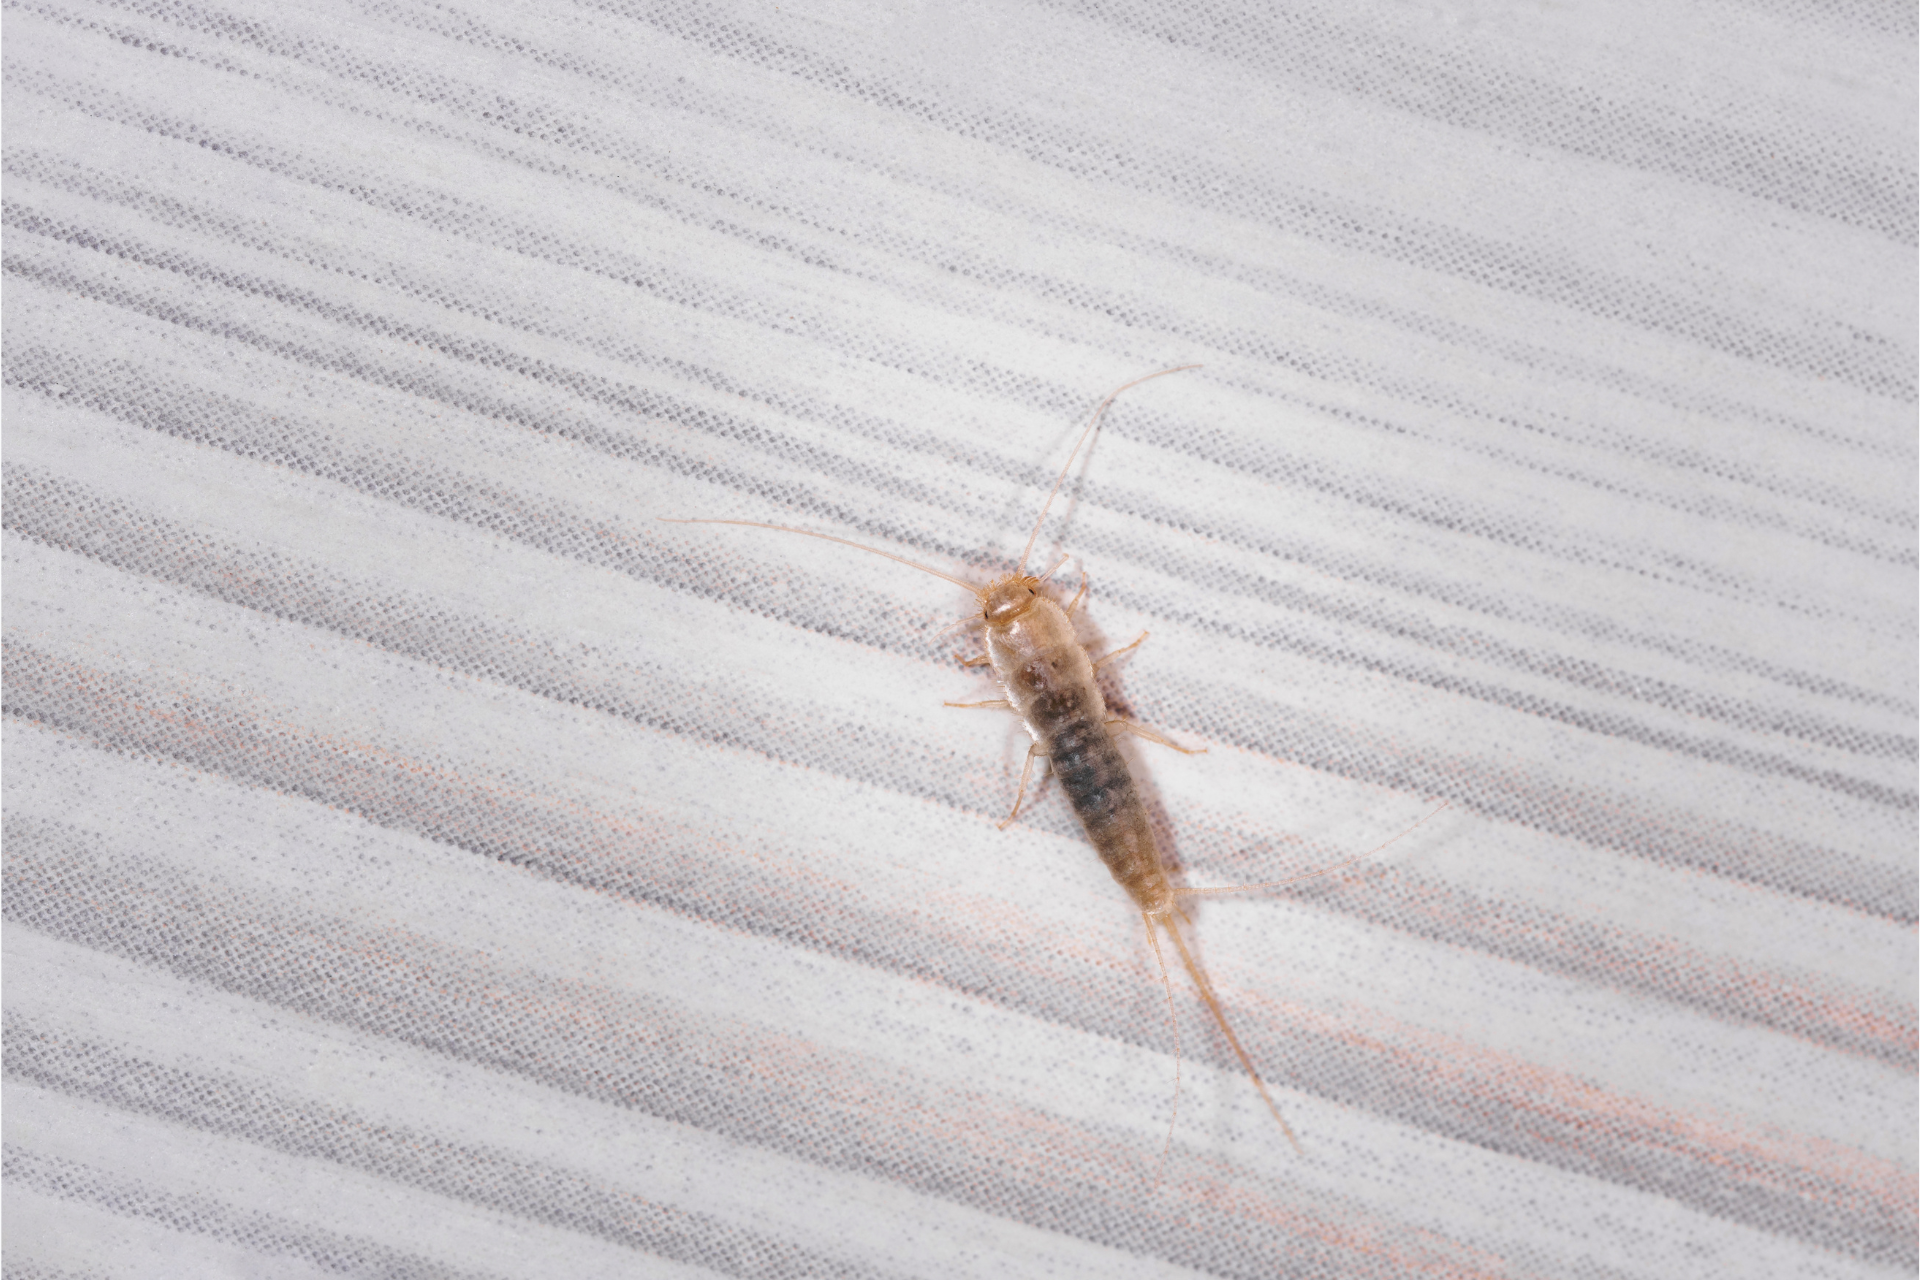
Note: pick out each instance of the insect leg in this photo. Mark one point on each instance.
(980, 661)
(1078, 596)
(1144, 732)
(1025, 770)
(998, 704)
(1101, 662)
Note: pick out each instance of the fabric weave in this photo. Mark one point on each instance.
(422, 861)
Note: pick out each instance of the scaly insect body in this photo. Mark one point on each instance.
(1049, 681)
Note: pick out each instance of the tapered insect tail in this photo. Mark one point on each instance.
(1173, 1019)
(1205, 989)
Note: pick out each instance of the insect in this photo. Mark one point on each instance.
(1048, 680)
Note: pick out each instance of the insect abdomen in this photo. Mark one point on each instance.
(1068, 717)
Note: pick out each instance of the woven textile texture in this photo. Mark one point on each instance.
(422, 861)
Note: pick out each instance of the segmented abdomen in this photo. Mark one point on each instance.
(1068, 717)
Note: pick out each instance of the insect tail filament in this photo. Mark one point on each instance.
(1153, 940)
(1179, 892)
(1205, 988)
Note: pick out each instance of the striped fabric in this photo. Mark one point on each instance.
(421, 861)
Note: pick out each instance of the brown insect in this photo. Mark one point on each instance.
(1048, 679)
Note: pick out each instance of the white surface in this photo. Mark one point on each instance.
(421, 861)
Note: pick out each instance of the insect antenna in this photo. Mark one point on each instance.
(1092, 422)
(827, 537)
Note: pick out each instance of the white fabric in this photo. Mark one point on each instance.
(423, 862)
